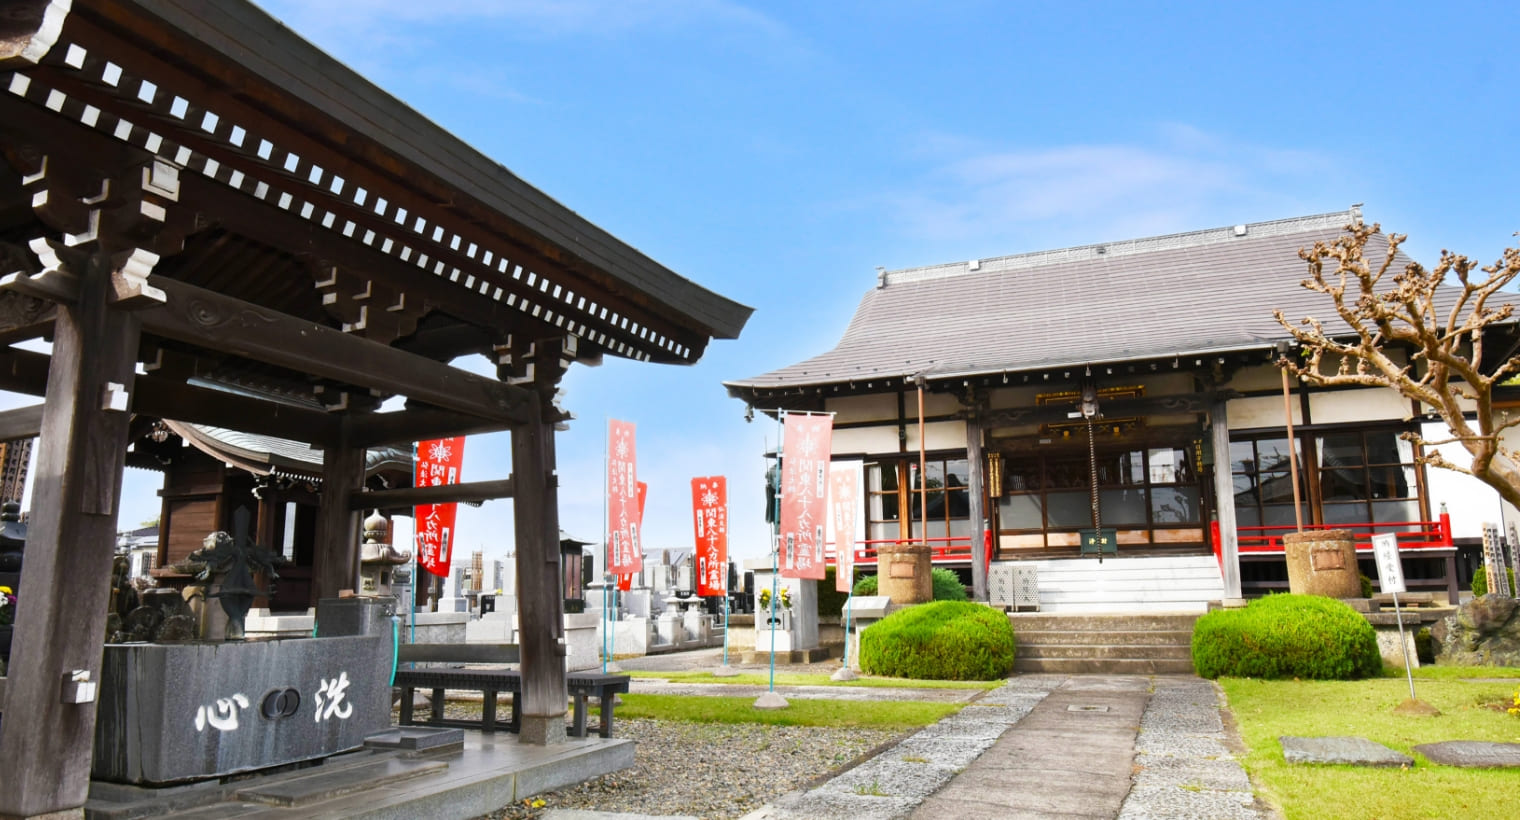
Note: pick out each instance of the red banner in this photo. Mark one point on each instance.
(438, 462)
(624, 554)
(843, 500)
(804, 494)
(625, 582)
(709, 507)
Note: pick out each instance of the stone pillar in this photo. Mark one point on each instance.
(804, 613)
(903, 573)
(1224, 501)
(1322, 562)
(976, 488)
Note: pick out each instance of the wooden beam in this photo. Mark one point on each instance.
(540, 601)
(441, 494)
(23, 371)
(46, 742)
(21, 423)
(26, 372)
(421, 424)
(168, 399)
(337, 550)
(211, 320)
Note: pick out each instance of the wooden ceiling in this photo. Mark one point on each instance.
(298, 244)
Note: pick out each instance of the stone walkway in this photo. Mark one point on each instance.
(1052, 746)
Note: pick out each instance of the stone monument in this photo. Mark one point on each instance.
(1322, 562)
(378, 560)
(904, 573)
(230, 567)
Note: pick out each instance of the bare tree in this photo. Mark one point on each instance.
(1387, 307)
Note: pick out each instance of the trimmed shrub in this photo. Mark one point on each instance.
(944, 640)
(1480, 581)
(947, 586)
(1425, 646)
(1287, 636)
(830, 600)
(1366, 586)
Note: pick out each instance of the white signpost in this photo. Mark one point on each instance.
(1385, 548)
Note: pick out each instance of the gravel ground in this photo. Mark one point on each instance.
(713, 771)
(710, 770)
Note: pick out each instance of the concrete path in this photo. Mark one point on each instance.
(1061, 746)
(1043, 745)
(1070, 757)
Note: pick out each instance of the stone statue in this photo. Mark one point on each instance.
(378, 560)
(233, 563)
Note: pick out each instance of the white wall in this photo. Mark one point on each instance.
(1470, 501)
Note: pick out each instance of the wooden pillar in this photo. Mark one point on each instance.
(976, 487)
(1224, 500)
(336, 563)
(540, 598)
(45, 743)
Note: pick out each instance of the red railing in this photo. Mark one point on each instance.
(941, 550)
(1412, 535)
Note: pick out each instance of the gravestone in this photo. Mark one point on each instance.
(1472, 754)
(1354, 751)
(1493, 562)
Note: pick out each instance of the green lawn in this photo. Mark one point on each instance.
(1266, 710)
(809, 712)
(799, 679)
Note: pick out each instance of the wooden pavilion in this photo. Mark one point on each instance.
(214, 222)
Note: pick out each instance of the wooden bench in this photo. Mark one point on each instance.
(583, 687)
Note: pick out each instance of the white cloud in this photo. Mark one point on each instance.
(398, 23)
(1185, 178)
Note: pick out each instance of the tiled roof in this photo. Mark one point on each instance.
(262, 455)
(1185, 294)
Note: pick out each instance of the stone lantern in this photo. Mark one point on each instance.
(378, 560)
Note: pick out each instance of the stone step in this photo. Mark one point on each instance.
(303, 791)
(1109, 666)
(1099, 652)
(1033, 637)
(1116, 622)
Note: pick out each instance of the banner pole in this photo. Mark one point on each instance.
(412, 604)
(776, 542)
(607, 642)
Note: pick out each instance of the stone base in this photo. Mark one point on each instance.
(771, 700)
(814, 655)
(541, 730)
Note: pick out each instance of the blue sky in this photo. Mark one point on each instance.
(777, 153)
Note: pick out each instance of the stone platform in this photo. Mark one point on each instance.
(454, 780)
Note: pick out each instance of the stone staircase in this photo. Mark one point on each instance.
(1126, 644)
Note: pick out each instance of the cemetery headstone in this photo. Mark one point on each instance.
(1493, 561)
(1472, 754)
(1355, 751)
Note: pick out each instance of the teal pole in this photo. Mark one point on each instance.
(776, 541)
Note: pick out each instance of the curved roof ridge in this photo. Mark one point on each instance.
(1189, 239)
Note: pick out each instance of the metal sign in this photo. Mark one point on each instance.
(1385, 548)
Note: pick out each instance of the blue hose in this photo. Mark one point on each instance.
(395, 645)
